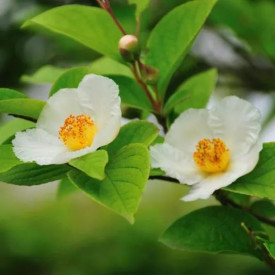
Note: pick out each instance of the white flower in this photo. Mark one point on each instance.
(74, 122)
(210, 149)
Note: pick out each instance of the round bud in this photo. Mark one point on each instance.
(129, 47)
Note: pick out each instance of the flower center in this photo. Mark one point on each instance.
(212, 155)
(78, 132)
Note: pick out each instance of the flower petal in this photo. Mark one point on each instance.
(188, 129)
(175, 163)
(62, 104)
(37, 145)
(237, 123)
(100, 97)
(43, 148)
(245, 164)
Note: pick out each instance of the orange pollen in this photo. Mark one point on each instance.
(212, 155)
(78, 132)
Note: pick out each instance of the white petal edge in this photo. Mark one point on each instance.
(237, 123)
(43, 148)
(188, 129)
(37, 145)
(175, 164)
(239, 167)
(99, 96)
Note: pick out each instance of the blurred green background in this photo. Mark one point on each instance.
(40, 234)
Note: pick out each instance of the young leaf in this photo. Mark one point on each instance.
(108, 66)
(46, 74)
(140, 131)
(141, 5)
(90, 26)
(7, 158)
(33, 174)
(126, 175)
(10, 94)
(9, 128)
(173, 36)
(22, 106)
(194, 93)
(214, 229)
(69, 79)
(92, 164)
(65, 188)
(131, 94)
(261, 181)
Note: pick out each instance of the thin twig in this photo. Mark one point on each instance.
(144, 87)
(138, 27)
(106, 6)
(100, 4)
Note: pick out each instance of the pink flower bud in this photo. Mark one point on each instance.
(129, 47)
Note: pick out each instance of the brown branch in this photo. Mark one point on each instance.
(165, 178)
(106, 6)
(224, 200)
(25, 117)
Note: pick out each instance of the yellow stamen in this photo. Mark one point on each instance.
(78, 132)
(212, 156)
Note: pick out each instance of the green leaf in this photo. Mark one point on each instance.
(33, 174)
(261, 23)
(141, 5)
(92, 164)
(194, 93)
(7, 158)
(261, 181)
(69, 79)
(131, 94)
(213, 229)
(22, 106)
(264, 208)
(90, 26)
(126, 175)
(10, 94)
(101, 66)
(65, 188)
(9, 128)
(140, 131)
(108, 66)
(270, 247)
(46, 74)
(173, 36)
